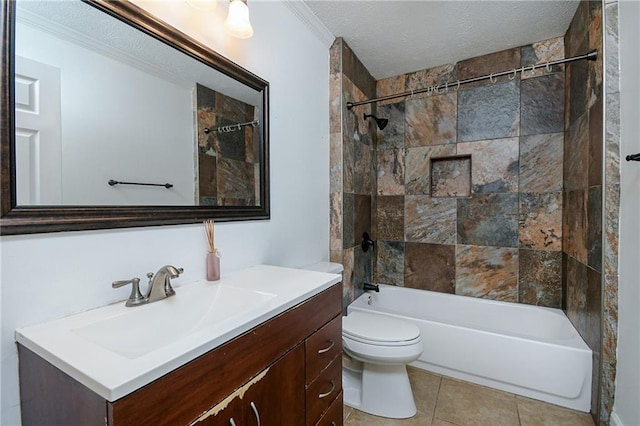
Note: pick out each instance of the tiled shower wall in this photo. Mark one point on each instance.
(228, 168)
(469, 182)
(583, 183)
(352, 157)
(611, 189)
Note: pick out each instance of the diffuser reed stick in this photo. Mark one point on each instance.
(209, 232)
(213, 257)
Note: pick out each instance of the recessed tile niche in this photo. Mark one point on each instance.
(451, 176)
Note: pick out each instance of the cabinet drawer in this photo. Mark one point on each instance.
(322, 392)
(334, 415)
(322, 347)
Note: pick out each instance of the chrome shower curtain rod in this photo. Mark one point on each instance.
(443, 88)
(231, 127)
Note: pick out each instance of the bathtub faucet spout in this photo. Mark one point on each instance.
(371, 287)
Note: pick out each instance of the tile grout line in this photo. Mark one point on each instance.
(435, 407)
(517, 409)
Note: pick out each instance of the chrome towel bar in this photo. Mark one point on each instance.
(633, 157)
(115, 182)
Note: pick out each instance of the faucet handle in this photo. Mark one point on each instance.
(135, 298)
(120, 283)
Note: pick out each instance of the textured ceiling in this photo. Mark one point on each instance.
(397, 37)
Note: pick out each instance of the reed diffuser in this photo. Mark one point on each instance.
(213, 256)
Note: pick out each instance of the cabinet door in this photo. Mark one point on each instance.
(279, 397)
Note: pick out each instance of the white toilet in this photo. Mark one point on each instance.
(374, 375)
(377, 349)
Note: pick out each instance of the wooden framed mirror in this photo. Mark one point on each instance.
(151, 127)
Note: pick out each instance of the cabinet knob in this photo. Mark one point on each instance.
(232, 422)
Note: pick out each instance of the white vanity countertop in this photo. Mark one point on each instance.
(113, 375)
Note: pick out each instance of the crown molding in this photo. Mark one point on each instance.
(306, 16)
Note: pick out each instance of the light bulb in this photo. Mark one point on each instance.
(237, 22)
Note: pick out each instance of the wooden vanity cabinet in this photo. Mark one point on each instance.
(276, 366)
(274, 399)
(323, 384)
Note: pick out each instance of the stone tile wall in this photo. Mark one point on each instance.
(352, 176)
(469, 182)
(611, 213)
(228, 172)
(582, 196)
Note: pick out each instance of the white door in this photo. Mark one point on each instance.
(38, 130)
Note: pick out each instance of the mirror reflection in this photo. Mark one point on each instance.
(99, 102)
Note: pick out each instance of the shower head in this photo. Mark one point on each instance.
(381, 122)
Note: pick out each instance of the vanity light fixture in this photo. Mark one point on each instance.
(237, 22)
(203, 4)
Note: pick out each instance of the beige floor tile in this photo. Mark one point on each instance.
(346, 412)
(425, 388)
(438, 422)
(442, 401)
(467, 404)
(537, 413)
(358, 418)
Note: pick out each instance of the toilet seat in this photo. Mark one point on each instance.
(377, 343)
(379, 330)
(380, 347)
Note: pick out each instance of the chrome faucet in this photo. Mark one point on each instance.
(160, 283)
(159, 286)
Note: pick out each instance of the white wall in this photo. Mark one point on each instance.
(627, 398)
(102, 120)
(50, 275)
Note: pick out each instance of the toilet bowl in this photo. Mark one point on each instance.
(374, 375)
(376, 350)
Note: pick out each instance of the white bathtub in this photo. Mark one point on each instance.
(527, 350)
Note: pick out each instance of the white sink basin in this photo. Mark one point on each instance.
(115, 350)
(139, 330)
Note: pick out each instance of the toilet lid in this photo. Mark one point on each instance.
(378, 328)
